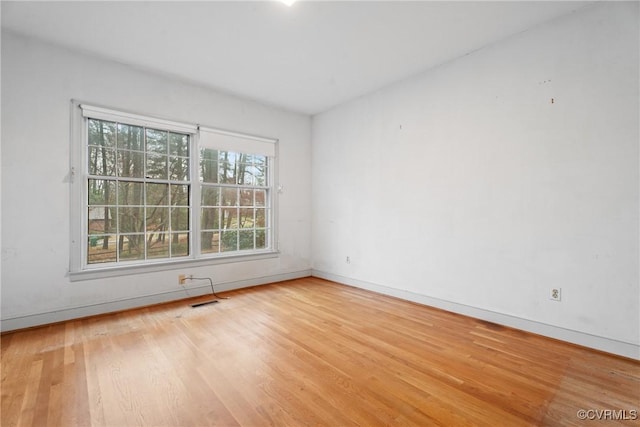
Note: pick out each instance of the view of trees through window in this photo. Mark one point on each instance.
(139, 204)
(138, 193)
(234, 209)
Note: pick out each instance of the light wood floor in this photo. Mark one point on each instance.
(305, 352)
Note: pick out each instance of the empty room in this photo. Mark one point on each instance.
(332, 213)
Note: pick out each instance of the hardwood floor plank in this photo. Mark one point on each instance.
(304, 352)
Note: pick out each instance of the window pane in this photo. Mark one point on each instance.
(210, 219)
(259, 170)
(246, 218)
(157, 141)
(246, 239)
(229, 218)
(102, 133)
(210, 196)
(229, 196)
(179, 168)
(130, 163)
(180, 195)
(157, 219)
(261, 197)
(131, 246)
(101, 220)
(102, 192)
(261, 239)
(248, 176)
(209, 242)
(241, 167)
(130, 219)
(209, 165)
(102, 161)
(246, 197)
(156, 166)
(261, 218)
(179, 244)
(260, 162)
(229, 241)
(180, 219)
(101, 249)
(227, 167)
(157, 245)
(178, 144)
(157, 194)
(130, 193)
(130, 137)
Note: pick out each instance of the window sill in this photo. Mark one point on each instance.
(125, 270)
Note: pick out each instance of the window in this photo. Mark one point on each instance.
(234, 194)
(155, 191)
(138, 187)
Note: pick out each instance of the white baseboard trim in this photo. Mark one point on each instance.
(70, 313)
(608, 345)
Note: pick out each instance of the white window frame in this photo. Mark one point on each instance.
(79, 269)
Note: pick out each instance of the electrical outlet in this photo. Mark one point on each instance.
(181, 279)
(555, 294)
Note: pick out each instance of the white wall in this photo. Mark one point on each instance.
(481, 184)
(38, 82)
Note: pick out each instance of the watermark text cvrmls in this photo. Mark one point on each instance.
(608, 414)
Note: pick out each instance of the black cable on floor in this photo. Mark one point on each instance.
(211, 283)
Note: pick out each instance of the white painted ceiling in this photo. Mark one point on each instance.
(305, 58)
